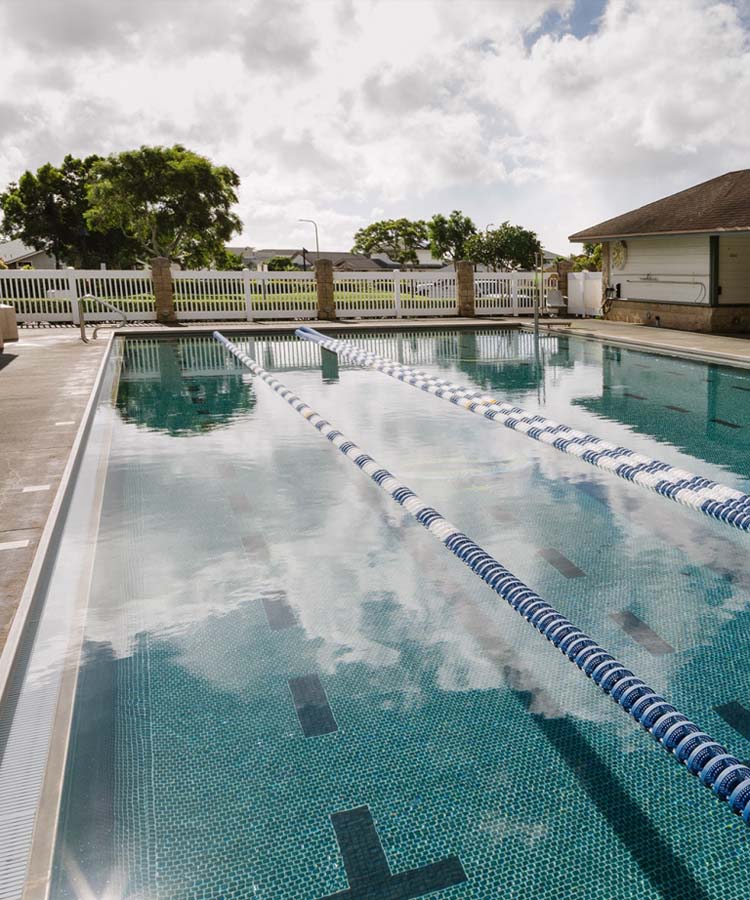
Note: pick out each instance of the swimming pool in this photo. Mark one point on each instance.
(287, 690)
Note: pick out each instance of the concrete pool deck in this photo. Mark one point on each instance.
(720, 349)
(47, 376)
(46, 379)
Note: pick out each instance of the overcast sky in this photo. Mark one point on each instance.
(554, 114)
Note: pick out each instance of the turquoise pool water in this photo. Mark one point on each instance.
(290, 691)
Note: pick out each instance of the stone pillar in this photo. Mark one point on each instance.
(324, 286)
(465, 288)
(606, 270)
(163, 294)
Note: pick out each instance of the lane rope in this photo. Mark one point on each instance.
(717, 769)
(720, 502)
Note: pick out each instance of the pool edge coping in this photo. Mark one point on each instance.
(43, 562)
(704, 356)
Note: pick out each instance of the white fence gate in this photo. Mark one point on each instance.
(363, 295)
(585, 293)
(510, 293)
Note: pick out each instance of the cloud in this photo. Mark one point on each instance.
(552, 113)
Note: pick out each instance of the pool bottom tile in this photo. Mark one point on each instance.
(367, 868)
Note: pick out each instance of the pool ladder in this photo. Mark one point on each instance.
(82, 315)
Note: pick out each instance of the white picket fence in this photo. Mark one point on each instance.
(52, 296)
(510, 293)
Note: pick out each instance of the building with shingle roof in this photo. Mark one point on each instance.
(682, 261)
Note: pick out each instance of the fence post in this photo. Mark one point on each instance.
(161, 274)
(73, 292)
(324, 287)
(247, 288)
(465, 288)
(397, 292)
(514, 292)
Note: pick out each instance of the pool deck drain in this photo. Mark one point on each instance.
(45, 381)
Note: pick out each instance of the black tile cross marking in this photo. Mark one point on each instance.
(367, 868)
(641, 633)
(310, 701)
(727, 423)
(736, 715)
(279, 613)
(563, 565)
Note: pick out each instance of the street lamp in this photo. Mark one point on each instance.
(486, 230)
(315, 226)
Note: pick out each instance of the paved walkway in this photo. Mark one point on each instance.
(45, 382)
(709, 347)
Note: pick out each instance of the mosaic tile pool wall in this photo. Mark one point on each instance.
(289, 691)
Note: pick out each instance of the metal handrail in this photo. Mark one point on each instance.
(82, 315)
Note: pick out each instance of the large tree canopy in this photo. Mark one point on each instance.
(590, 260)
(448, 235)
(170, 201)
(399, 238)
(505, 248)
(46, 209)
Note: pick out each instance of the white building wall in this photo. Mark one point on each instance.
(665, 269)
(734, 268)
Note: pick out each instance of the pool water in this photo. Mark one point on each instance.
(290, 691)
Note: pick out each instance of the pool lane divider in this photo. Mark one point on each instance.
(723, 773)
(719, 501)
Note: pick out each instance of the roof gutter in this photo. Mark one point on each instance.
(583, 238)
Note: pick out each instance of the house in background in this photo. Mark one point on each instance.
(681, 262)
(15, 254)
(343, 261)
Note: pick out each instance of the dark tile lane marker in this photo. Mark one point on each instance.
(736, 716)
(367, 868)
(633, 396)
(728, 424)
(739, 387)
(641, 633)
(311, 704)
(676, 408)
(563, 565)
(279, 613)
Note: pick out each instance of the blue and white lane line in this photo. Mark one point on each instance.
(702, 755)
(719, 501)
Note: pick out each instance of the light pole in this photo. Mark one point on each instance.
(315, 226)
(486, 230)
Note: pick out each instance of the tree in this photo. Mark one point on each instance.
(506, 248)
(399, 238)
(280, 264)
(46, 209)
(181, 403)
(590, 260)
(170, 201)
(448, 235)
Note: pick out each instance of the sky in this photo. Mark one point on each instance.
(553, 114)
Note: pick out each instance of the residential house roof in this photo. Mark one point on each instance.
(721, 204)
(16, 251)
